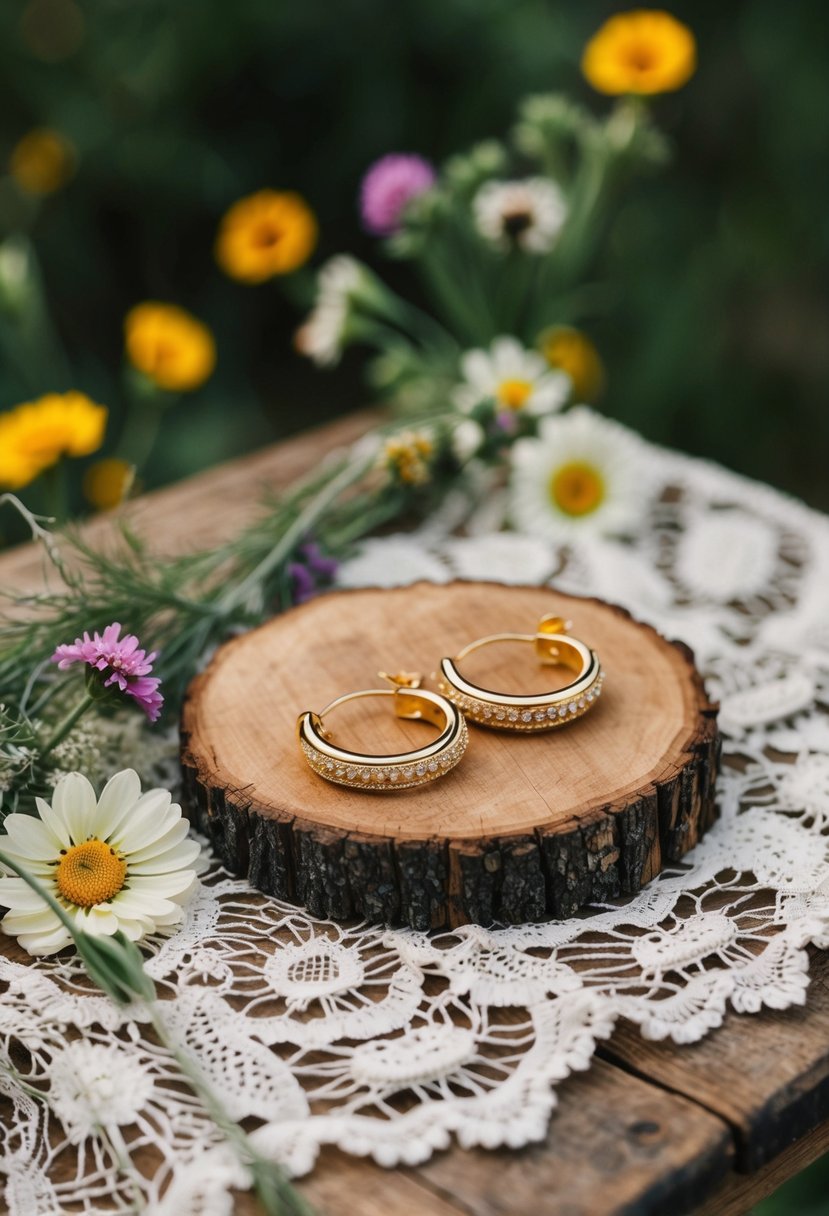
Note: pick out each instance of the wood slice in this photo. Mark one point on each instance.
(526, 826)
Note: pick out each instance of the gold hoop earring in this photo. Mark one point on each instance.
(392, 772)
(544, 711)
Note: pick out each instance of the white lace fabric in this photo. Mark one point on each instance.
(387, 1043)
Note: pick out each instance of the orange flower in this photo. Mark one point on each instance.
(107, 482)
(42, 161)
(644, 51)
(36, 434)
(266, 234)
(171, 347)
(568, 350)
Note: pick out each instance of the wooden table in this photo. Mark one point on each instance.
(650, 1128)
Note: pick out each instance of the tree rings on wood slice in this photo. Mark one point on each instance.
(525, 827)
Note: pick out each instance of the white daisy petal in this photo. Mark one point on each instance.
(550, 393)
(141, 905)
(156, 848)
(47, 942)
(507, 356)
(133, 929)
(143, 823)
(476, 367)
(175, 918)
(19, 896)
(54, 823)
(183, 855)
(40, 869)
(74, 801)
(31, 838)
(36, 921)
(102, 920)
(168, 885)
(142, 836)
(118, 796)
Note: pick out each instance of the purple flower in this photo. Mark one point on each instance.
(507, 421)
(121, 662)
(313, 571)
(388, 186)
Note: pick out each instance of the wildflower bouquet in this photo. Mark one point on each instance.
(503, 241)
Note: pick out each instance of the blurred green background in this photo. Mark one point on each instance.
(718, 342)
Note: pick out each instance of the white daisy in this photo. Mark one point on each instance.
(529, 214)
(583, 474)
(515, 378)
(120, 862)
(322, 337)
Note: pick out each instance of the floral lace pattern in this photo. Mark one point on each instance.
(387, 1043)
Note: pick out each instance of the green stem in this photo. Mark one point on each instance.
(54, 481)
(276, 1194)
(140, 432)
(63, 728)
(295, 532)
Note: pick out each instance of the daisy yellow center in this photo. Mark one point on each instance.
(577, 488)
(514, 393)
(90, 873)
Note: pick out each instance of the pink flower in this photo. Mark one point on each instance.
(388, 186)
(121, 662)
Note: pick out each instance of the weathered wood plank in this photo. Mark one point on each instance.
(339, 1179)
(206, 508)
(739, 1193)
(766, 1074)
(617, 1146)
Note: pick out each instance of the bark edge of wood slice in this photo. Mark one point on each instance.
(525, 827)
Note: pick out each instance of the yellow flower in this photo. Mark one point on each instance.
(170, 346)
(37, 434)
(266, 234)
(108, 482)
(42, 161)
(644, 51)
(568, 350)
(408, 456)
